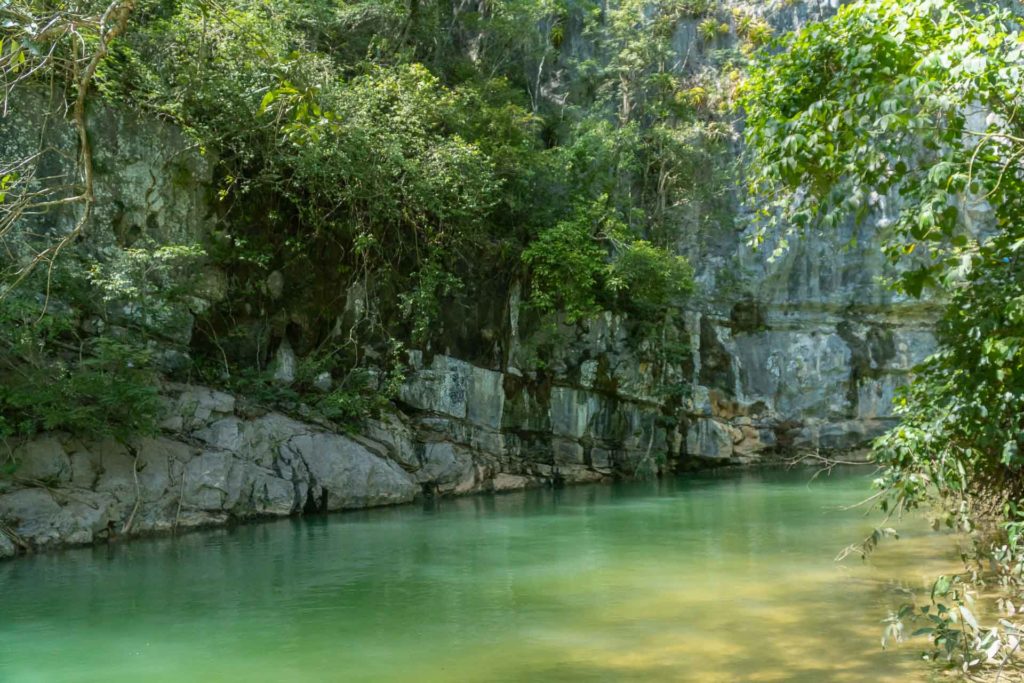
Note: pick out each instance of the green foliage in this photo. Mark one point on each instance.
(709, 29)
(962, 427)
(878, 103)
(110, 392)
(353, 393)
(363, 393)
(55, 376)
(653, 278)
(574, 275)
(422, 305)
(399, 165)
(568, 263)
(910, 111)
(958, 638)
(870, 103)
(754, 30)
(146, 285)
(388, 160)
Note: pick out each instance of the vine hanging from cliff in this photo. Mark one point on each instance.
(63, 45)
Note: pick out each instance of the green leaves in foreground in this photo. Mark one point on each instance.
(905, 110)
(910, 113)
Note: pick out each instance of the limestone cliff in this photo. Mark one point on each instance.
(802, 352)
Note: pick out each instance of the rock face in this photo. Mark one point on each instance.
(802, 352)
(213, 465)
(805, 351)
(808, 350)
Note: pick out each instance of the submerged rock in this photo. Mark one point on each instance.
(7, 547)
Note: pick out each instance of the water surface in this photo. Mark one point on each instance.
(711, 578)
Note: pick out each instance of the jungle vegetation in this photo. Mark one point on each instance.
(393, 162)
(387, 161)
(912, 112)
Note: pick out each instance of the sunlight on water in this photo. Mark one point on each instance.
(713, 578)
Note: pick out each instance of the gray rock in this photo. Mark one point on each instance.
(445, 465)
(261, 439)
(33, 513)
(117, 470)
(875, 396)
(708, 438)
(273, 495)
(197, 404)
(323, 382)
(511, 482)
(86, 514)
(160, 462)
(600, 458)
(85, 467)
(839, 435)
(7, 547)
(442, 388)
(285, 363)
(43, 459)
(570, 412)
(275, 285)
(397, 437)
(567, 452)
(486, 400)
(351, 476)
(212, 482)
(225, 434)
(45, 518)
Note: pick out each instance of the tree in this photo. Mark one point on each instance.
(66, 42)
(914, 110)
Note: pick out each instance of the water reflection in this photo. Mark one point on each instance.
(718, 577)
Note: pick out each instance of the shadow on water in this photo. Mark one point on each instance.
(726, 576)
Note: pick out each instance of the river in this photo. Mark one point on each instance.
(715, 577)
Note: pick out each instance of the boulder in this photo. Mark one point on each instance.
(323, 382)
(441, 388)
(197, 404)
(285, 363)
(510, 482)
(348, 475)
(486, 399)
(43, 459)
(397, 437)
(7, 547)
(45, 518)
(33, 513)
(445, 465)
(224, 434)
(275, 285)
(212, 482)
(272, 495)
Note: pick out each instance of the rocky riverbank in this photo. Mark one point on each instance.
(800, 352)
(219, 461)
(457, 429)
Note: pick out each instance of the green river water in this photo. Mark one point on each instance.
(725, 577)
